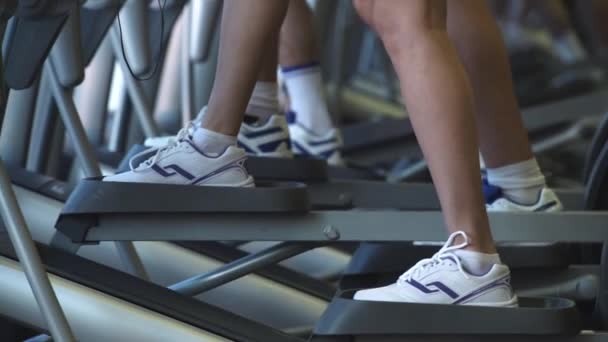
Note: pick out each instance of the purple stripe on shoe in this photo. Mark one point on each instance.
(176, 170)
(245, 147)
(546, 206)
(180, 171)
(290, 116)
(300, 149)
(273, 145)
(498, 283)
(323, 142)
(235, 165)
(261, 133)
(433, 288)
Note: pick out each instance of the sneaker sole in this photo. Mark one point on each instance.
(513, 303)
(247, 183)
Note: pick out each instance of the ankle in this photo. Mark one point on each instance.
(264, 100)
(225, 121)
(477, 263)
(482, 243)
(520, 182)
(486, 248)
(211, 141)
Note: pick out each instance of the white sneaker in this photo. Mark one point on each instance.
(263, 139)
(160, 142)
(547, 202)
(443, 280)
(182, 163)
(269, 138)
(306, 143)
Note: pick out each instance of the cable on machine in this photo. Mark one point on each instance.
(162, 34)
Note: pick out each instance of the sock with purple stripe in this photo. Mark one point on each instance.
(304, 85)
(520, 182)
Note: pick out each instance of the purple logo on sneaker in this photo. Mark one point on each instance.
(502, 282)
(176, 170)
(433, 288)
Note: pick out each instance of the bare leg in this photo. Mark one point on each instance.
(246, 26)
(268, 71)
(244, 39)
(264, 99)
(439, 98)
(502, 136)
(312, 130)
(298, 43)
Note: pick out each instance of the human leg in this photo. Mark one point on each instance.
(264, 131)
(438, 96)
(207, 155)
(312, 130)
(503, 138)
(246, 26)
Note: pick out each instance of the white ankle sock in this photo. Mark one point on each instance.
(520, 182)
(304, 85)
(264, 101)
(212, 143)
(477, 263)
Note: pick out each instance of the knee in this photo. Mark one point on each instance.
(410, 38)
(401, 24)
(378, 16)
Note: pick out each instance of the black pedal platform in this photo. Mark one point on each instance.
(354, 173)
(348, 317)
(282, 169)
(93, 197)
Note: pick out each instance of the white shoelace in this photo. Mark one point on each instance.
(183, 135)
(444, 253)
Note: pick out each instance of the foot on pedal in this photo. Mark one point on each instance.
(308, 144)
(269, 138)
(496, 202)
(181, 162)
(160, 142)
(443, 279)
